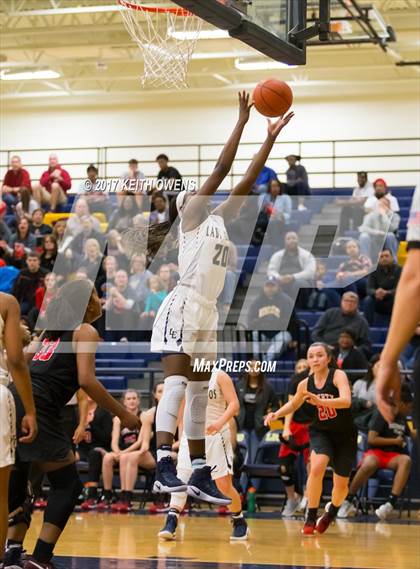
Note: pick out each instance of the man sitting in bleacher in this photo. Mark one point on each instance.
(381, 287)
(387, 449)
(352, 210)
(334, 320)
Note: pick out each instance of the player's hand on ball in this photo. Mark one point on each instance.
(244, 106)
(274, 128)
(29, 429)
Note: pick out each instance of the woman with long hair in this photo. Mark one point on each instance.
(49, 252)
(185, 326)
(63, 360)
(23, 236)
(27, 205)
(333, 435)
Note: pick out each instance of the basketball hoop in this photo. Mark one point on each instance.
(166, 36)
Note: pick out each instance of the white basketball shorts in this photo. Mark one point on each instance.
(186, 323)
(7, 427)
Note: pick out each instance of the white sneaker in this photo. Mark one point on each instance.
(384, 511)
(290, 508)
(346, 509)
(302, 506)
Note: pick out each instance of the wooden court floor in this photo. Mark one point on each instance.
(117, 541)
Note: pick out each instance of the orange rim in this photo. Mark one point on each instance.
(155, 9)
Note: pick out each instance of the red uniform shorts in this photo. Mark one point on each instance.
(300, 432)
(383, 456)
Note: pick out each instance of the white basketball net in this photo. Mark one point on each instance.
(165, 38)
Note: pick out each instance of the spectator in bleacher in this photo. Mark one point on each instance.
(160, 213)
(132, 177)
(228, 292)
(154, 299)
(95, 444)
(92, 260)
(110, 268)
(381, 287)
(49, 252)
(59, 230)
(169, 277)
(123, 441)
(77, 244)
(272, 319)
(5, 233)
(139, 277)
(166, 172)
(275, 211)
(293, 266)
(297, 178)
(322, 296)
(26, 206)
(119, 304)
(263, 180)
(381, 191)
(97, 198)
(23, 236)
(412, 351)
(14, 180)
(53, 185)
(387, 448)
(80, 211)
(43, 296)
(123, 217)
(115, 249)
(355, 268)
(256, 398)
(38, 227)
(364, 394)
(348, 356)
(352, 210)
(29, 279)
(334, 320)
(378, 230)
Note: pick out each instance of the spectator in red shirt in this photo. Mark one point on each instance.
(53, 185)
(15, 179)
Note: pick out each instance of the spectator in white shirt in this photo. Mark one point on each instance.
(377, 231)
(352, 210)
(127, 182)
(293, 266)
(75, 223)
(381, 190)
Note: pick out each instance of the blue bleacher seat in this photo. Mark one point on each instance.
(113, 382)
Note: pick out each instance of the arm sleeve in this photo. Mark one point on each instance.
(371, 284)
(274, 265)
(26, 180)
(45, 178)
(287, 210)
(308, 272)
(66, 181)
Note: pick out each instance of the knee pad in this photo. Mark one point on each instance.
(195, 409)
(65, 489)
(168, 408)
(287, 470)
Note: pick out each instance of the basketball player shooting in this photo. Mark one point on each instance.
(186, 323)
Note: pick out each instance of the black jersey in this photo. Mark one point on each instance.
(53, 371)
(128, 436)
(306, 413)
(328, 418)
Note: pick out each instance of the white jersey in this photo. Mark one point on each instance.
(4, 373)
(203, 257)
(413, 225)
(216, 403)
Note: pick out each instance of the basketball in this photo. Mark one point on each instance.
(272, 98)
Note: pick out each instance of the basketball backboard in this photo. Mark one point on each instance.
(265, 25)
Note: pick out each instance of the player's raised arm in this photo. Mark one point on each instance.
(243, 188)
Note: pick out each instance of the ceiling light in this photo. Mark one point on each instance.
(261, 65)
(29, 75)
(202, 35)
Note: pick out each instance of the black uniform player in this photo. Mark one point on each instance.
(62, 363)
(333, 436)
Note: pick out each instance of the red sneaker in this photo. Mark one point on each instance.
(89, 504)
(309, 527)
(325, 520)
(116, 506)
(103, 504)
(125, 507)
